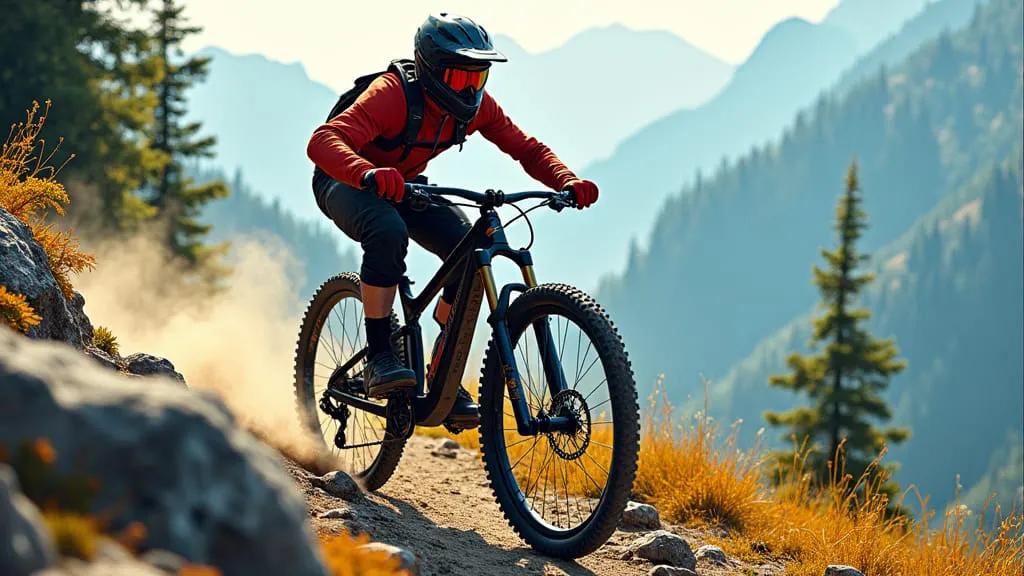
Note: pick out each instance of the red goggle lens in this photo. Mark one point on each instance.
(458, 79)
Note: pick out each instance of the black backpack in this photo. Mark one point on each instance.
(406, 71)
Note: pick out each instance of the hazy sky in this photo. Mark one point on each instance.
(368, 33)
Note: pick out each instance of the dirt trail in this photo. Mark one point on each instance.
(442, 509)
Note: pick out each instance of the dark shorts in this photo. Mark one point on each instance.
(384, 229)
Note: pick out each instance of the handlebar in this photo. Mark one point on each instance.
(420, 196)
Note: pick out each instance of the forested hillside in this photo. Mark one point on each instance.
(949, 291)
(247, 214)
(794, 62)
(729, 258)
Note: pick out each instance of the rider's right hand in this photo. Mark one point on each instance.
(388, 183)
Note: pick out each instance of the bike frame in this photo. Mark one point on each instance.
(471, 260)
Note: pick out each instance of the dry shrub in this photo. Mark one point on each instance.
(15, 311)
(345, 556)
(74, 535)
(29, 190)
(105, 340)
(693, 475)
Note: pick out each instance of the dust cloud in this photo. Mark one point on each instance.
(238, 342)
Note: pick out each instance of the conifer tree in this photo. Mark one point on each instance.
(848, 371)
(177, 197)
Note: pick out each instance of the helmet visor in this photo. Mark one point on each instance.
(458, 79)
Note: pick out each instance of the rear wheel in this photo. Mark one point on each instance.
(331, 335)
(564, 493)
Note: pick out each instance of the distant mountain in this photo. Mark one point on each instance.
(728, 260)
(869, 22)
(581, 98)
(262, 113)
(791, 66)
(783, 74)
(950, 291)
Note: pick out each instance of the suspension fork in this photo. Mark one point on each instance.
(553, 373)
(526, 423)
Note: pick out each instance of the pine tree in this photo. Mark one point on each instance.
(850, 370)
(177, 197)
(91, 65)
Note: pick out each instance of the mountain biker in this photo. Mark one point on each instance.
(453, 56)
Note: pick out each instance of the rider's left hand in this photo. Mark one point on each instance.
(584, 191)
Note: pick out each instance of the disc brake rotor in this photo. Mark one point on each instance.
(570, 445)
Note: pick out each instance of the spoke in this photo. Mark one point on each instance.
(529, 376)
(596, 406)
(523, 441)
(561, 351)
(596, 463)
(587, 397)
(585, 372)
(586, 355)
(530, 451)
(330, 331)
(594, 443)
(579, 338)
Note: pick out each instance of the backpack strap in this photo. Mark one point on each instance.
(414, 104)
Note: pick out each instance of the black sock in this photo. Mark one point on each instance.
(378, 335)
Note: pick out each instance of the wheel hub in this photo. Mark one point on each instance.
(570, 445)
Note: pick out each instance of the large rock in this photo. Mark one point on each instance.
(337, 484)
(147, 365)
(641, 516)
(170, 458)
(25, 543)
(24, 270)
(712, 554)
(663, 547)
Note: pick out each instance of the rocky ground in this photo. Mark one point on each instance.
(439, 506)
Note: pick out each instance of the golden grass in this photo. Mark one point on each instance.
(29, 190)
(16, 312)
(105, 340)
(696, 475)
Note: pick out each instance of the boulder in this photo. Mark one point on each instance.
(147, 365)
(337, 484)
(712, 555)
(839, 570)
(409, 561)
(449, 444)
(641, 516)
(25, 543)
(172, 459)
(663, 547)
(24, 270)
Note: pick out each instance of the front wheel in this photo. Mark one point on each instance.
(562, 492)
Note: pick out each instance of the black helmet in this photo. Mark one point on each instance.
(453, 55)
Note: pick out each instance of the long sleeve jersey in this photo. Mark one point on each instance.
(344, 146)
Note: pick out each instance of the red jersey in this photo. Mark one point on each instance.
(344, 148)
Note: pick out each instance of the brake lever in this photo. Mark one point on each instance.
(561, 201)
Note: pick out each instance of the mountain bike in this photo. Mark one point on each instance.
(559, 420)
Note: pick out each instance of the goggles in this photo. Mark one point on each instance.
(458, 79)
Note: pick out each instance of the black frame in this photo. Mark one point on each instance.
(471, 259)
